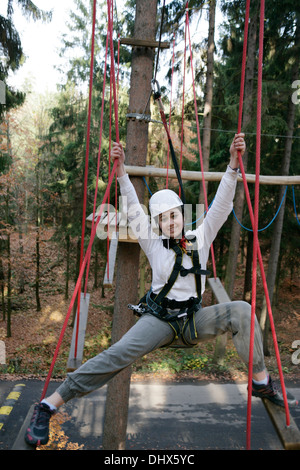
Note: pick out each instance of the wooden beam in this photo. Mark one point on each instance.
(222, 297)
(125, 233)
(20, 443)
(289, 436)
(144, 43)
(75, 362)
(218, 290)
(110, 267)
(208, 176)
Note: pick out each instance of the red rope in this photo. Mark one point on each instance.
(168, 154)
(88, 252)
(199, 140)
(254, 221)
(183, 92)
(256, 216)
(86, 165)
(109, 163)
(78, 283)
(99, 155)
(110, 27)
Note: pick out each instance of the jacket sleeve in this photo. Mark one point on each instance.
(136, 215)
(219, 210)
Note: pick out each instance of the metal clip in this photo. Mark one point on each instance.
(138, 309)
(180, 315)
(156, 89)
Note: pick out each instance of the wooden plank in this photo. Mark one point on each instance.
(20, 443)
(110, 266)
(144, 43)
(2, 353)
(75, 362)
(218, 290)
(125, 233)
(89, 219)
(289, 435)
(222, 297)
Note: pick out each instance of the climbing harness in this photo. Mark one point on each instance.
(179, 314)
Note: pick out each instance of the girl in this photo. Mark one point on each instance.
(171, 312)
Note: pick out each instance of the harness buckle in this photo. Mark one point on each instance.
(138, 309)
(180, 315)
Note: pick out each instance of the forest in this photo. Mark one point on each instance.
(43, 147)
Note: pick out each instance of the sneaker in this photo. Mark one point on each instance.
(37, 432)
(271, 392)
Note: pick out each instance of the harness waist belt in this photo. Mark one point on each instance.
(187, 307)
(176, 304)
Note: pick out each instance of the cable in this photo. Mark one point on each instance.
(270, 223)
(294, 202)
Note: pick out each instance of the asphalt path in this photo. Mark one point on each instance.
(174, 417)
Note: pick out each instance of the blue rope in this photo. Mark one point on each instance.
(245, 228)
(267, 226)
(147, 185)
(294, 202)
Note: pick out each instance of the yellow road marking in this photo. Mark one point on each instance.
(5, 410)
(13, 395)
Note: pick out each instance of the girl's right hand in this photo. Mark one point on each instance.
(118, 154)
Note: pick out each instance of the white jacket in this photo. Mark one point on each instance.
(162, 259)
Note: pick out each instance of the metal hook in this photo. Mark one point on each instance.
(157, 91)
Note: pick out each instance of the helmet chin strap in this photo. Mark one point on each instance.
(170, 242)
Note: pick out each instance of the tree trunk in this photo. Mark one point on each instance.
(208, 93)
(68, 243)
(278, 224)
(116, 410)
(2, 284)
(37, 242)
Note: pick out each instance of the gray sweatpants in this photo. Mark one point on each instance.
(150, 333)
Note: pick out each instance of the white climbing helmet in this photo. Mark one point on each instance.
(162, 201)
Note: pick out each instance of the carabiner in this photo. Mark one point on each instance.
(157, 92)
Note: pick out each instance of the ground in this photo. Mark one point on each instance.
(30, 349)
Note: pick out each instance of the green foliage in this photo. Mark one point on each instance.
(11, 47)
(179, 360)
